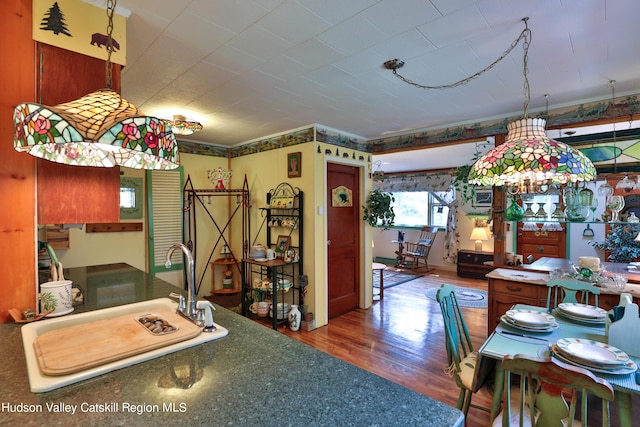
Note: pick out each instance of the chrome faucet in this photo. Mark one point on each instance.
(200, 312)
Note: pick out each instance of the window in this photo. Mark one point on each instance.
(419, 208)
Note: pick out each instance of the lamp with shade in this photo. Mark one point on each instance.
(479, 234)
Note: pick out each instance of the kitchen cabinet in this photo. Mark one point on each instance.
(541, 243)
(262, 279)
(77, 194)
(505, 293)
(508, 287)
(74, 194)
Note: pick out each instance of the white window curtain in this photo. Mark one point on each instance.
(440, 184)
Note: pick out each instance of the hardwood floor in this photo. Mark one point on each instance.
(401, 338)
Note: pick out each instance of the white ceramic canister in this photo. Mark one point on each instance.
(56, 294)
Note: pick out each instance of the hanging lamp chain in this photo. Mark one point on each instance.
(108, 70)
(612, 83)
(525, 35)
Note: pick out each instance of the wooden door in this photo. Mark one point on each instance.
(343, 219)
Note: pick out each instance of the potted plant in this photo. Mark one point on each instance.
(620, 243)
(378, 209)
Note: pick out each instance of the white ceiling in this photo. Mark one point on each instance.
(247, 69)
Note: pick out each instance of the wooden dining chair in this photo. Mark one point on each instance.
(461, 359)
(545, 386)
(415, 253)
(571, 290)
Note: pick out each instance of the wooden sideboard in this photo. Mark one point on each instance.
(508, 287)
(475, 264)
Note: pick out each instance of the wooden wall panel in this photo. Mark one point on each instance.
(17, 170)
(74, 194)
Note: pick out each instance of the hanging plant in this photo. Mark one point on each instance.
(464, 190)
(378, 210)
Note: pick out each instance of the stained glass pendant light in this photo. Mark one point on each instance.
(529, 161)
(100, 129)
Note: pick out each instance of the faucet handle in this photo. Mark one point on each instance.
(205, 316)
(182, 305)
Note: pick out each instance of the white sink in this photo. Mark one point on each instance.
(40, 382)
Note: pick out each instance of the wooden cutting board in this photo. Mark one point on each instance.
(79, 347)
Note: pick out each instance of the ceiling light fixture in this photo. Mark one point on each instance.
(181, 126)
(529, 161)
(100, 129)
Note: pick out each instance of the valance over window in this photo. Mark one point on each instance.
(423, 181)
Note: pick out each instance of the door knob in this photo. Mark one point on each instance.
(328, 242)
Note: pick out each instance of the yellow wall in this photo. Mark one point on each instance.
(264, 172)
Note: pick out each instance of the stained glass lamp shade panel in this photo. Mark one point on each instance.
(529, 155)
(100, 129)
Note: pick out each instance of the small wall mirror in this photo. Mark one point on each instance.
(130, 198)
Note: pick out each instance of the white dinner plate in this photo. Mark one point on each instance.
(530, 318)
(549, 328)
(583, 320)
(582, 310)
(592, 352)
(628, 368)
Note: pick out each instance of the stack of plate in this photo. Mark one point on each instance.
(530, 320)
(593, 355)
(582, 313)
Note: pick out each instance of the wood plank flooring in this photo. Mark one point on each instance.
(401, 338)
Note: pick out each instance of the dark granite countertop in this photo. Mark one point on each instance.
(253, 376)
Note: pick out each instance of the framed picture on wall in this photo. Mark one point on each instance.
(294, 165)
(282, 245)
(482, 198)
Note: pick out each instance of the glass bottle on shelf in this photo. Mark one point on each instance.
(586, 196)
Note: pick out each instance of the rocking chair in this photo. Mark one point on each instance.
(416, 252)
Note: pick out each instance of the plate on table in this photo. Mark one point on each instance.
(628, 368)
(584, 321)
(592, 352)
(548, 328)
(582, 310)
(530, 318)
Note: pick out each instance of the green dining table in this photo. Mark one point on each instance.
(499, 344)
